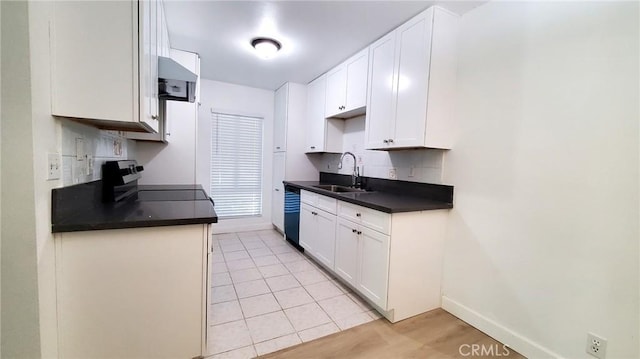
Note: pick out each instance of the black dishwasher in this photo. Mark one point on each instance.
(292, 215)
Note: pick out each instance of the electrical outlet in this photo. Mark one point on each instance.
(53, 166)
(89, 165)
(393, 174)
(117, 147)
(596, 346)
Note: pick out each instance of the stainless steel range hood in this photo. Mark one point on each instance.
(175, 82)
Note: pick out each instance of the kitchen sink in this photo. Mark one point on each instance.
(338, 189)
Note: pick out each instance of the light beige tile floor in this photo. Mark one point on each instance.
(267, 296)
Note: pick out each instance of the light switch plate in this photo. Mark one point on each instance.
(80, 152)
(54, 166)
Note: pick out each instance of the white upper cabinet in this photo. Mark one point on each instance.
(280, 119)
(322, 135)
(346, 94)
(381, 99)
(149, 21)
(411, 84)
(104, 63)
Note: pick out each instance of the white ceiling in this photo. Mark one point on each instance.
(315, 35)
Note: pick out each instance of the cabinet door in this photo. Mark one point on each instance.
(92, 69)
(380, 99)
(356, 78)
(346, 252)
(373, 266)
(413, 48)
(104, 277)
(148, 32)
(277, 207)
(325, 238)
(280, 119)
(316, 123)
(308, 228)
(336, 91)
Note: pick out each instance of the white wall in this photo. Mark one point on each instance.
(173, 162)
(543, 238)
(241, 100)
(20, 322)
(0, 185)
(29, 134)
(102, 146)
(424, 165)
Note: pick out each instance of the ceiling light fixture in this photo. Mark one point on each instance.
(266, 47)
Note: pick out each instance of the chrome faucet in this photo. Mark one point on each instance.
(355, 174)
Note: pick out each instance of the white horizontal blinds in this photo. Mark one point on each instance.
(236, 165)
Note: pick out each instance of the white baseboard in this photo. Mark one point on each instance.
(219, 227)
(513, 340)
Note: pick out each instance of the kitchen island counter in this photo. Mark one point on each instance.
(80, 208)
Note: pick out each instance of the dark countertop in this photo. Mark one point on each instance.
(386, 197)
(79, 208)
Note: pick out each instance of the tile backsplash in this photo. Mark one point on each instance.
(85, 149)
(417, 165)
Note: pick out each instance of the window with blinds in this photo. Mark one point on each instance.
(236, 165)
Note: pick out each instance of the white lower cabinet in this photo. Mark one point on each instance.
(346, 251)
(133, 293)
(373, 265)
(362, 260)
(318, 234)
(394, 261)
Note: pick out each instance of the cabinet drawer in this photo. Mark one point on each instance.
(327, 204)
(319, 201)
(367, 217)
(308, 197)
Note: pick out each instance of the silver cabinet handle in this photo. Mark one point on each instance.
(385, 141)
(278, 147)
(391, 140)
(313, 147)
(277, 189)
(154, 117)
(353, 230)
(359, 232)
(358, 215)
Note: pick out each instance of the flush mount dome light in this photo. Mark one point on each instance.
(265, 47)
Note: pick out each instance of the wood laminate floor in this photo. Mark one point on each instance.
(435, 334)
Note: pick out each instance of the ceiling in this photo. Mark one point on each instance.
(315, 35)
